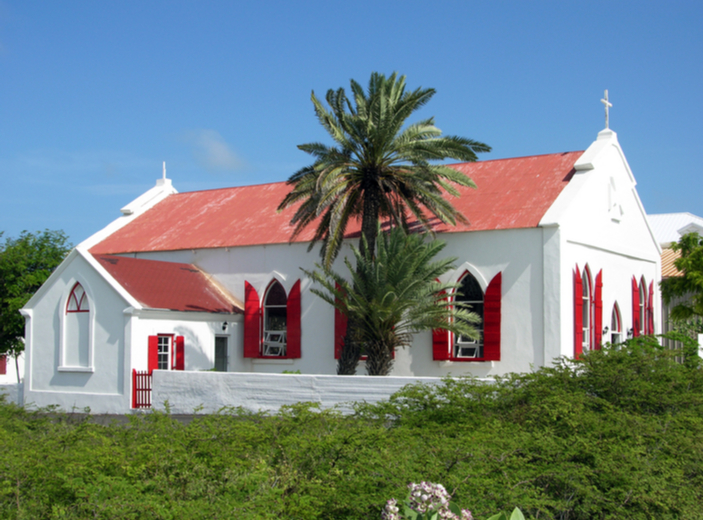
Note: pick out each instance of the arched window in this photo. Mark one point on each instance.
(272, 326)
(77, 329)
(275, 320)
(616, 325)
(586, 309)
(470, 293)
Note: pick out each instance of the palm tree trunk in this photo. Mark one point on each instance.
(379, 359)
(349, 358)
(370, 217)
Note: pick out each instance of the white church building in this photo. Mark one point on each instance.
(558, 256)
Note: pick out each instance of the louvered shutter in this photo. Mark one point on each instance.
(577, 313)
(180, 359)
(492, 320)
(636, 307)
(598, 315)
(651, 321)
(252, 320)
(340, 329)
(441, 341)
(3, 365)
(153, 353)
(293, 322)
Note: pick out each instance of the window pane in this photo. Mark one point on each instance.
(276, 295)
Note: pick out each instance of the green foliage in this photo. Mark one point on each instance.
(688, 285)
(515, 515)
(379, 167)
(394, 294)
(616, 434)
(25, 264)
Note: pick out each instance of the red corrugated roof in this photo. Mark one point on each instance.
(168, 285)
(511, 193)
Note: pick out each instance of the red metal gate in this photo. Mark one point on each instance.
(141, 389)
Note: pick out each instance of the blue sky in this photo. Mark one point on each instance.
(95, 95)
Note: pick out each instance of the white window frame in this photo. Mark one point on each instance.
(65, 312)
(616, 331)
(586, 310)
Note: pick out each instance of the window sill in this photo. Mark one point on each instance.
(272, 361)
(452, 361)
(76, 369)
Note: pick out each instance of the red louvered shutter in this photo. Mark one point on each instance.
(598, 308)
(153, 353)
(577, 313)
(252, 321)
(636, 308)
(441, 341)
(3, 365)
(651, 321)
(492, 320)
(180, 359)
(340, 329)
(293, 322)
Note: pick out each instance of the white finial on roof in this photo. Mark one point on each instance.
(163, 175)
(607, 105)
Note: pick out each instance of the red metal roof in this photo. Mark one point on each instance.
(511, 193)
(168, 285)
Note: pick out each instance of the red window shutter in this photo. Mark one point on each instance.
(636, 308)
(252, 321)
(598, 307)
(153, 353)
(180, 356)
(577, 313)
(441, 341)
(293, 322)
(340, 329)
(492, 320)
(3, 365)
(651, 321)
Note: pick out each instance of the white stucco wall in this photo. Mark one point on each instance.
(199, 331)
(208, 392)
(516, 253)
(103, 385)
(602, 224)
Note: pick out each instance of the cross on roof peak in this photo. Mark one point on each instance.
(607, 105)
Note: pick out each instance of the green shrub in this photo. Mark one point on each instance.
(616, 434)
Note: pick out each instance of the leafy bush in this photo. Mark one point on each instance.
(616, 434)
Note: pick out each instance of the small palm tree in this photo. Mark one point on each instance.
(393, 294)
(376, 168)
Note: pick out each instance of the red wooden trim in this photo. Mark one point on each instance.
(650, 313)
(293, 322)
(577, 313)
(441, 340)
(3, 365)
(340, 329)
(180, 359)
(79, 304)
(492, 320)
(252, 322)
(153, 353)
(598, 311)
(636, 307)
(141, 389)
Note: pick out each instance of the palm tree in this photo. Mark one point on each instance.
(377, 168)
(393, 294)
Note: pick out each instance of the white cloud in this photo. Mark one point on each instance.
(212, 152)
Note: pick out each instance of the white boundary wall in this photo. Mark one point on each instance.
(207, 392)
